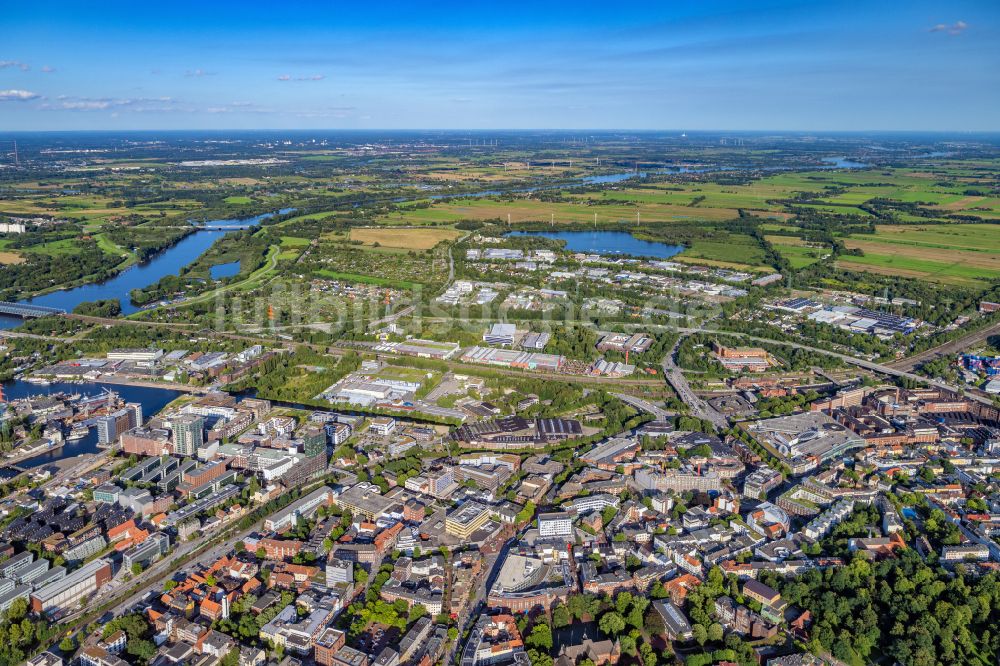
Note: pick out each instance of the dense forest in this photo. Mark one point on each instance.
(901, 610)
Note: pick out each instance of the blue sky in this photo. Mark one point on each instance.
(762, 64)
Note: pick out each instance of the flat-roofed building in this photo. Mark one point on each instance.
(348, 656)
(555, 524)
(303, 507)
(68, 591)
(327, 644)
(364, 500)
(466, 519)
(677, 625)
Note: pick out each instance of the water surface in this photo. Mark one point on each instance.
(152, 399)
(607, 242)
(168, 262)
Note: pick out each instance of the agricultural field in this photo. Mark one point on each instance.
(530, 210)
(729, 251)
(966, 255)
(497, 173)
(406, 239)
(798, 252)
(10, 258)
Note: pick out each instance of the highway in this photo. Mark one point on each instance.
(391, 318)
(679, 382)
(644, 406)
(978, 396)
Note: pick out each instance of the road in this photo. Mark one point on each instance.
(679, 382)
(972, 394)
(155, 583)
(644, 406)
(391, 318)
(492, 570)
(947, 349)
(33, 336)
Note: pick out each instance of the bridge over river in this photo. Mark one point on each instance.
(27, 311)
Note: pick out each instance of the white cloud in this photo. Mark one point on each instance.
(956, 28)
(328, 112)
(23, 66)
(313, 77)
(17, 95)
(198, 73)
(238, 107)
(133, 104)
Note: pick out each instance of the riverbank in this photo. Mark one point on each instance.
(171, 386)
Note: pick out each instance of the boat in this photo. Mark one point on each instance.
(41, 381)
(78, 432)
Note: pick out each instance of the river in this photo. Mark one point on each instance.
(152, 399)
(168, 262)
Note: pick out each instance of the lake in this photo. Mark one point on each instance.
(220, 271)
(168, 262)
(843, 163)
(152, 399)
(607, 242)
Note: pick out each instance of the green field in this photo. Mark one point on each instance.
(530, 210)
(367, 279)
(800, 256)
(967, 254)
(732, 250)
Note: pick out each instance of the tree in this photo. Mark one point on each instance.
(141, 648)
(561, 616)
(658, 591)
(67, 644)
(417, 611)
(540, 637)
(611, 624)
(647, 654)
(700, 633)
(715, 632)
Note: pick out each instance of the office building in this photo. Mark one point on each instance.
(112, 426)
(70, 590)
(338, 571)
(466, 519)
(189, 434)
(555, 524)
